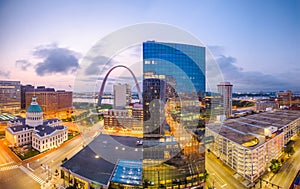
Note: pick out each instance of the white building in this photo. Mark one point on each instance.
(122, 95)
(41, 134)
(248, 144)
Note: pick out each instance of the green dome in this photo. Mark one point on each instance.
(34, 108)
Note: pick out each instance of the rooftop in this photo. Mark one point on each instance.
(128, 172)
(97, 160)
(34, 108)
(86, 164)
(20, 128)
(7, 117)
(44, 129)
(252, 128)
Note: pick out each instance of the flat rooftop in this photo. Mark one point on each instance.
(97, 161)
(252, 127)
(128, 172)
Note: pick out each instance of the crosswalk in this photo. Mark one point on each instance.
(8, 167)
(33, 176)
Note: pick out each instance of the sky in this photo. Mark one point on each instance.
(255, 43)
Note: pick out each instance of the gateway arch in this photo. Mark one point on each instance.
(105, 78)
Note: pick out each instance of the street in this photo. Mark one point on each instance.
(220, 176)
(32, 174)
(289, 169)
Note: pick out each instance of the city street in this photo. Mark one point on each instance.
(220, 176)
(17, 179)
(290, 168)
(17, 176)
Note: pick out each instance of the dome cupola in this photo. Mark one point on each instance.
(34, 114)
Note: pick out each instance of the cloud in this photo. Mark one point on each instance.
(55, 60)
(247, 80)
(97, 64)
(23, 64)
(4, 74)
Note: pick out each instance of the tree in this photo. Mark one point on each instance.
(289, 150)
(275, 165)
(205, 175)
(281, 160)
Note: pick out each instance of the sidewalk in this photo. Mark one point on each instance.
(29, 160)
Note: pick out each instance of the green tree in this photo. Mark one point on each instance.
(289, 150)
(205, 175)
(275, 165)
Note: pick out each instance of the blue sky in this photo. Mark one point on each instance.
(256, 42)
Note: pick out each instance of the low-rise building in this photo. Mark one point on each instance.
(266, 105)
(107, 162)
(41, 134)
(248, 144)
(130, 119)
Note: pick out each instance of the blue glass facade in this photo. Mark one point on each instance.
(186, 63)
(173, 83)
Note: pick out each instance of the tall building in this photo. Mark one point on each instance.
(24, 89)
(122, 95)
(284, 98)
(10, 96)
(225, 90)
(173, 83)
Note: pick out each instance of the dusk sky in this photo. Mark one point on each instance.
(256, 43)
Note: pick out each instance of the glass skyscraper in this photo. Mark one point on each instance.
(173, 86)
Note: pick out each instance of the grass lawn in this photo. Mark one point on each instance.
(25, 155)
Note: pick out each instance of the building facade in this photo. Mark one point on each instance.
(24, 89)
(173, 83)
(10, 96)
(284, 98)
(129, 119)
(225, 90)
(248, 144)
(122, 95)
(41, 134)
(51, 101)
(266, 105)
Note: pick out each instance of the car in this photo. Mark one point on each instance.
(139, 142)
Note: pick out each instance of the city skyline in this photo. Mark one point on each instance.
(255, 45)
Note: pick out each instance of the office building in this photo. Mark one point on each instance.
(122, 95)
(129, 119)
(24, 89)
(225, 90)
(248, 144)
(284, 99)
(50, 100)
(41, 134)
(173, 83)
(10, 96)
(264, 105)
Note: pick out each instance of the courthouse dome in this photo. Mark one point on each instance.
(34, 106)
